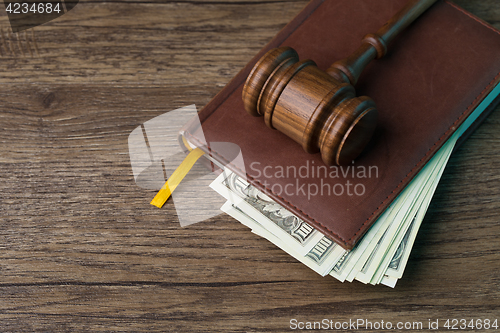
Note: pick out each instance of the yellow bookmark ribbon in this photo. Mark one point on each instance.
(176, 177)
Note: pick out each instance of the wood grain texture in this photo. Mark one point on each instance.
(82, 250)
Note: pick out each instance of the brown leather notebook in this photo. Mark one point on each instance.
(434, 75)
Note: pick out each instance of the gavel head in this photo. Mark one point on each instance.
(320, 112)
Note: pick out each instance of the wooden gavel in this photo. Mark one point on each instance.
(320, 109)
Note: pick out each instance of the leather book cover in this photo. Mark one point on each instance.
(434, 75)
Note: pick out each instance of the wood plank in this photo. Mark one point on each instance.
(144, 43)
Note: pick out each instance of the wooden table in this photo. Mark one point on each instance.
(81, 249)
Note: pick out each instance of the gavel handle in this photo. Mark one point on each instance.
(375, 45)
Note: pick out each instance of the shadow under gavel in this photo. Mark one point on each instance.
(320, 109)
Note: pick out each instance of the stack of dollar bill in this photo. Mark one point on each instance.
(379, 257)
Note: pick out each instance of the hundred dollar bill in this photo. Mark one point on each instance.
(380, 254)
(434, 170)
(347, 263)
(271, 215)
(321, 258)
(389, 281)
(400, 259)
(388, 226)
(387, 245)
(413, 207)
(404, 246)
(374, 253)
(398, 262)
